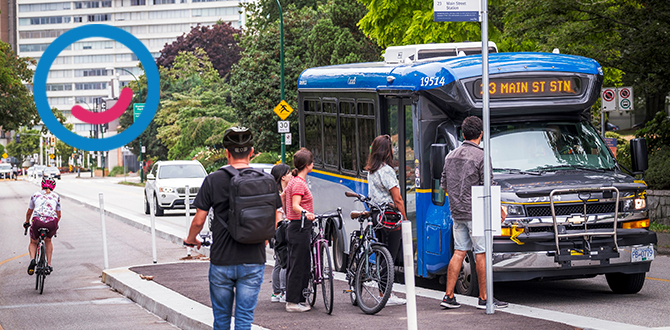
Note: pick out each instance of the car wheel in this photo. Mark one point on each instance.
(147, 210)
(625, 283)
(159, 209)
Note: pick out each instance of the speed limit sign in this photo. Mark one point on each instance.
(283, 126)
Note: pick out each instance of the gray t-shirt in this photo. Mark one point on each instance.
(380, 184)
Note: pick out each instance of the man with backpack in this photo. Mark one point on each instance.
(244, 202)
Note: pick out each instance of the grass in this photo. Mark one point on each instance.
(128, 183)
(659, 228)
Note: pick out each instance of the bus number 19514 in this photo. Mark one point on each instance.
(432, 81)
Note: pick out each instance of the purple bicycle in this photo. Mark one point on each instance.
(321, 262)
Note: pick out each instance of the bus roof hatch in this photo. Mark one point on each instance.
(431, 52)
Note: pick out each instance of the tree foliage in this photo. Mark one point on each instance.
(656, 132)
(29, 145)
(312, 37)
(218, 41)
(626, 35)
(17, 107)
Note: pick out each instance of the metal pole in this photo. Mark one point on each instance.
(41, 147)
(104, 231)
(139, 99)
(281, 66)
(152, 211)
(487, 156)
(408, 267)
(187, 199)
(141, 164)
(602, 122)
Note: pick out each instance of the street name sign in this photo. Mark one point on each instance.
(137, 110)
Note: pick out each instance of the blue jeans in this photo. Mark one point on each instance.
(239, 282)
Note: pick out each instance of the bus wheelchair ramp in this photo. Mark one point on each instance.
(583, 250)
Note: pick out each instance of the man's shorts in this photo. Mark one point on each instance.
(50, 223)
(463, 239)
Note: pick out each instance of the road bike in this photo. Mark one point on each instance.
(320, 261)
(370, 270)
(41, 268)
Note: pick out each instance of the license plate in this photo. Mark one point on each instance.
(643, 253)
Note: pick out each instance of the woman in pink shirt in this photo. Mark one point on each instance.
(298, 198)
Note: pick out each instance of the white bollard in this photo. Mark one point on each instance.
(408, 267)
(104, 231)
(187, 205)
(152, 211)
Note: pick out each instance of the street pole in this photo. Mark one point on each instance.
(281, 66)
(139, 95)
(487, 156)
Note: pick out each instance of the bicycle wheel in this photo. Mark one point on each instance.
(374, 280)
(326, 278)
(42, 264)
(38, 257)
(311, 285)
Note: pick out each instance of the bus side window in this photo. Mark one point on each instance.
(438, 152)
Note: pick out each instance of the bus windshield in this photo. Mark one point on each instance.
(548, 146)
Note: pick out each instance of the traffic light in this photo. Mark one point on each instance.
(53, 141)
(18, 138)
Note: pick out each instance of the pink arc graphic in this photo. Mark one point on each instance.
(106, 116)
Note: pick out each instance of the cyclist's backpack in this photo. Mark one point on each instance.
(253, 198)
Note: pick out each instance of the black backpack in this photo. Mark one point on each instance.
(253, 198)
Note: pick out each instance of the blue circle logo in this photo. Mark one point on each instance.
(150, 70)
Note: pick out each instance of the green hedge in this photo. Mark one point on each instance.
(117, 170)
(658, 174)
(622, 149)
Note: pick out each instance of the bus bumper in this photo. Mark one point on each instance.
(536, 259)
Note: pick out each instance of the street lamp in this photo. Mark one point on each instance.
(139, 95)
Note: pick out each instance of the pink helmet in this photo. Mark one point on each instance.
(48, 183)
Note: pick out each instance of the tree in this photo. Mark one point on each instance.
(29, 145)
(17, 107)
(325, 36)
(405, 22)
(627, 35)
(218, 41)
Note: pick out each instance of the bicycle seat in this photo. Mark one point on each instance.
(43, 230)
(359, 214)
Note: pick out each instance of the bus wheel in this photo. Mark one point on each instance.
(339, 257)
(466, 283)
(625, 283)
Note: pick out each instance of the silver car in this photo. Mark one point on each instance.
(6, 170)
(166, 184)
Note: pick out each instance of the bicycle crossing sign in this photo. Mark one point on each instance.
(283, 110)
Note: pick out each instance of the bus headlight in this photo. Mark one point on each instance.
(634, 204)
(640, 203)
(515, 210)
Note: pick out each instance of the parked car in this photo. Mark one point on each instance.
(36, 171)
(6, 170)
(166, 184)
(53, 172)
(611, 127)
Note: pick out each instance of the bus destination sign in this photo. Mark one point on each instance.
(501, 88)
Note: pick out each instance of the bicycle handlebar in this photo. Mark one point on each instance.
(333, 215)
(203, 243)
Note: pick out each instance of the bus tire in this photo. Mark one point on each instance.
(467, 283)
(625, 283)
(339, 257)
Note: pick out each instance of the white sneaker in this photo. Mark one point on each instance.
(301, 307)
(275, 298)
(282, 298)
(395, 300)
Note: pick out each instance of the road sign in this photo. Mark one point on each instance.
(144, 149)
(625, 98)
(52, 156)
(287, 139)
(51, 150)
(609, 99)
(5, 155)
(283, 110)
(456, 11)
(137, 110)
(283, 126)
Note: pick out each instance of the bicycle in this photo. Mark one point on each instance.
(320, 261)
(41, 268)
(370, 271)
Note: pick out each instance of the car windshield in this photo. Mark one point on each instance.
(548, 146)
(181, 171)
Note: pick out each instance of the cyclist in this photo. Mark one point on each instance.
(383, 188)
(44, 208)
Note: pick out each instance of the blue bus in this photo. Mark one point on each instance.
(573, 211)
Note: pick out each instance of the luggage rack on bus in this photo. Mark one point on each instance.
(566, 255)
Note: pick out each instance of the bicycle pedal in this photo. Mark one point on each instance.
(347, 291)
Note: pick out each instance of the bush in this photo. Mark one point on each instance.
(658, 176)
(656, 132)
(622, 149)
(266, 158)
(117, 170)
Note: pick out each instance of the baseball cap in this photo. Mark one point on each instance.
(239, 138)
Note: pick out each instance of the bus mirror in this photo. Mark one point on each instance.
(438, 152)
(639, 157)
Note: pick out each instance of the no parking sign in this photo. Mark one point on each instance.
(609, 99)
(620, 98)
(625, 98)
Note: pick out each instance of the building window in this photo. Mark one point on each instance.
(93, 45)
(44, 20)
(205, 12)
(59, 87)
(94, 59)
(88, 86)
(138, 2)
(77, 19)
(99, 17)
(87, 4)
(44, 7)
(92, 72)
(163, 2)
(83, 127)
(167, 14)
(59, 101)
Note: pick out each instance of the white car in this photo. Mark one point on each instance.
(53, 172)
(166, 184)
